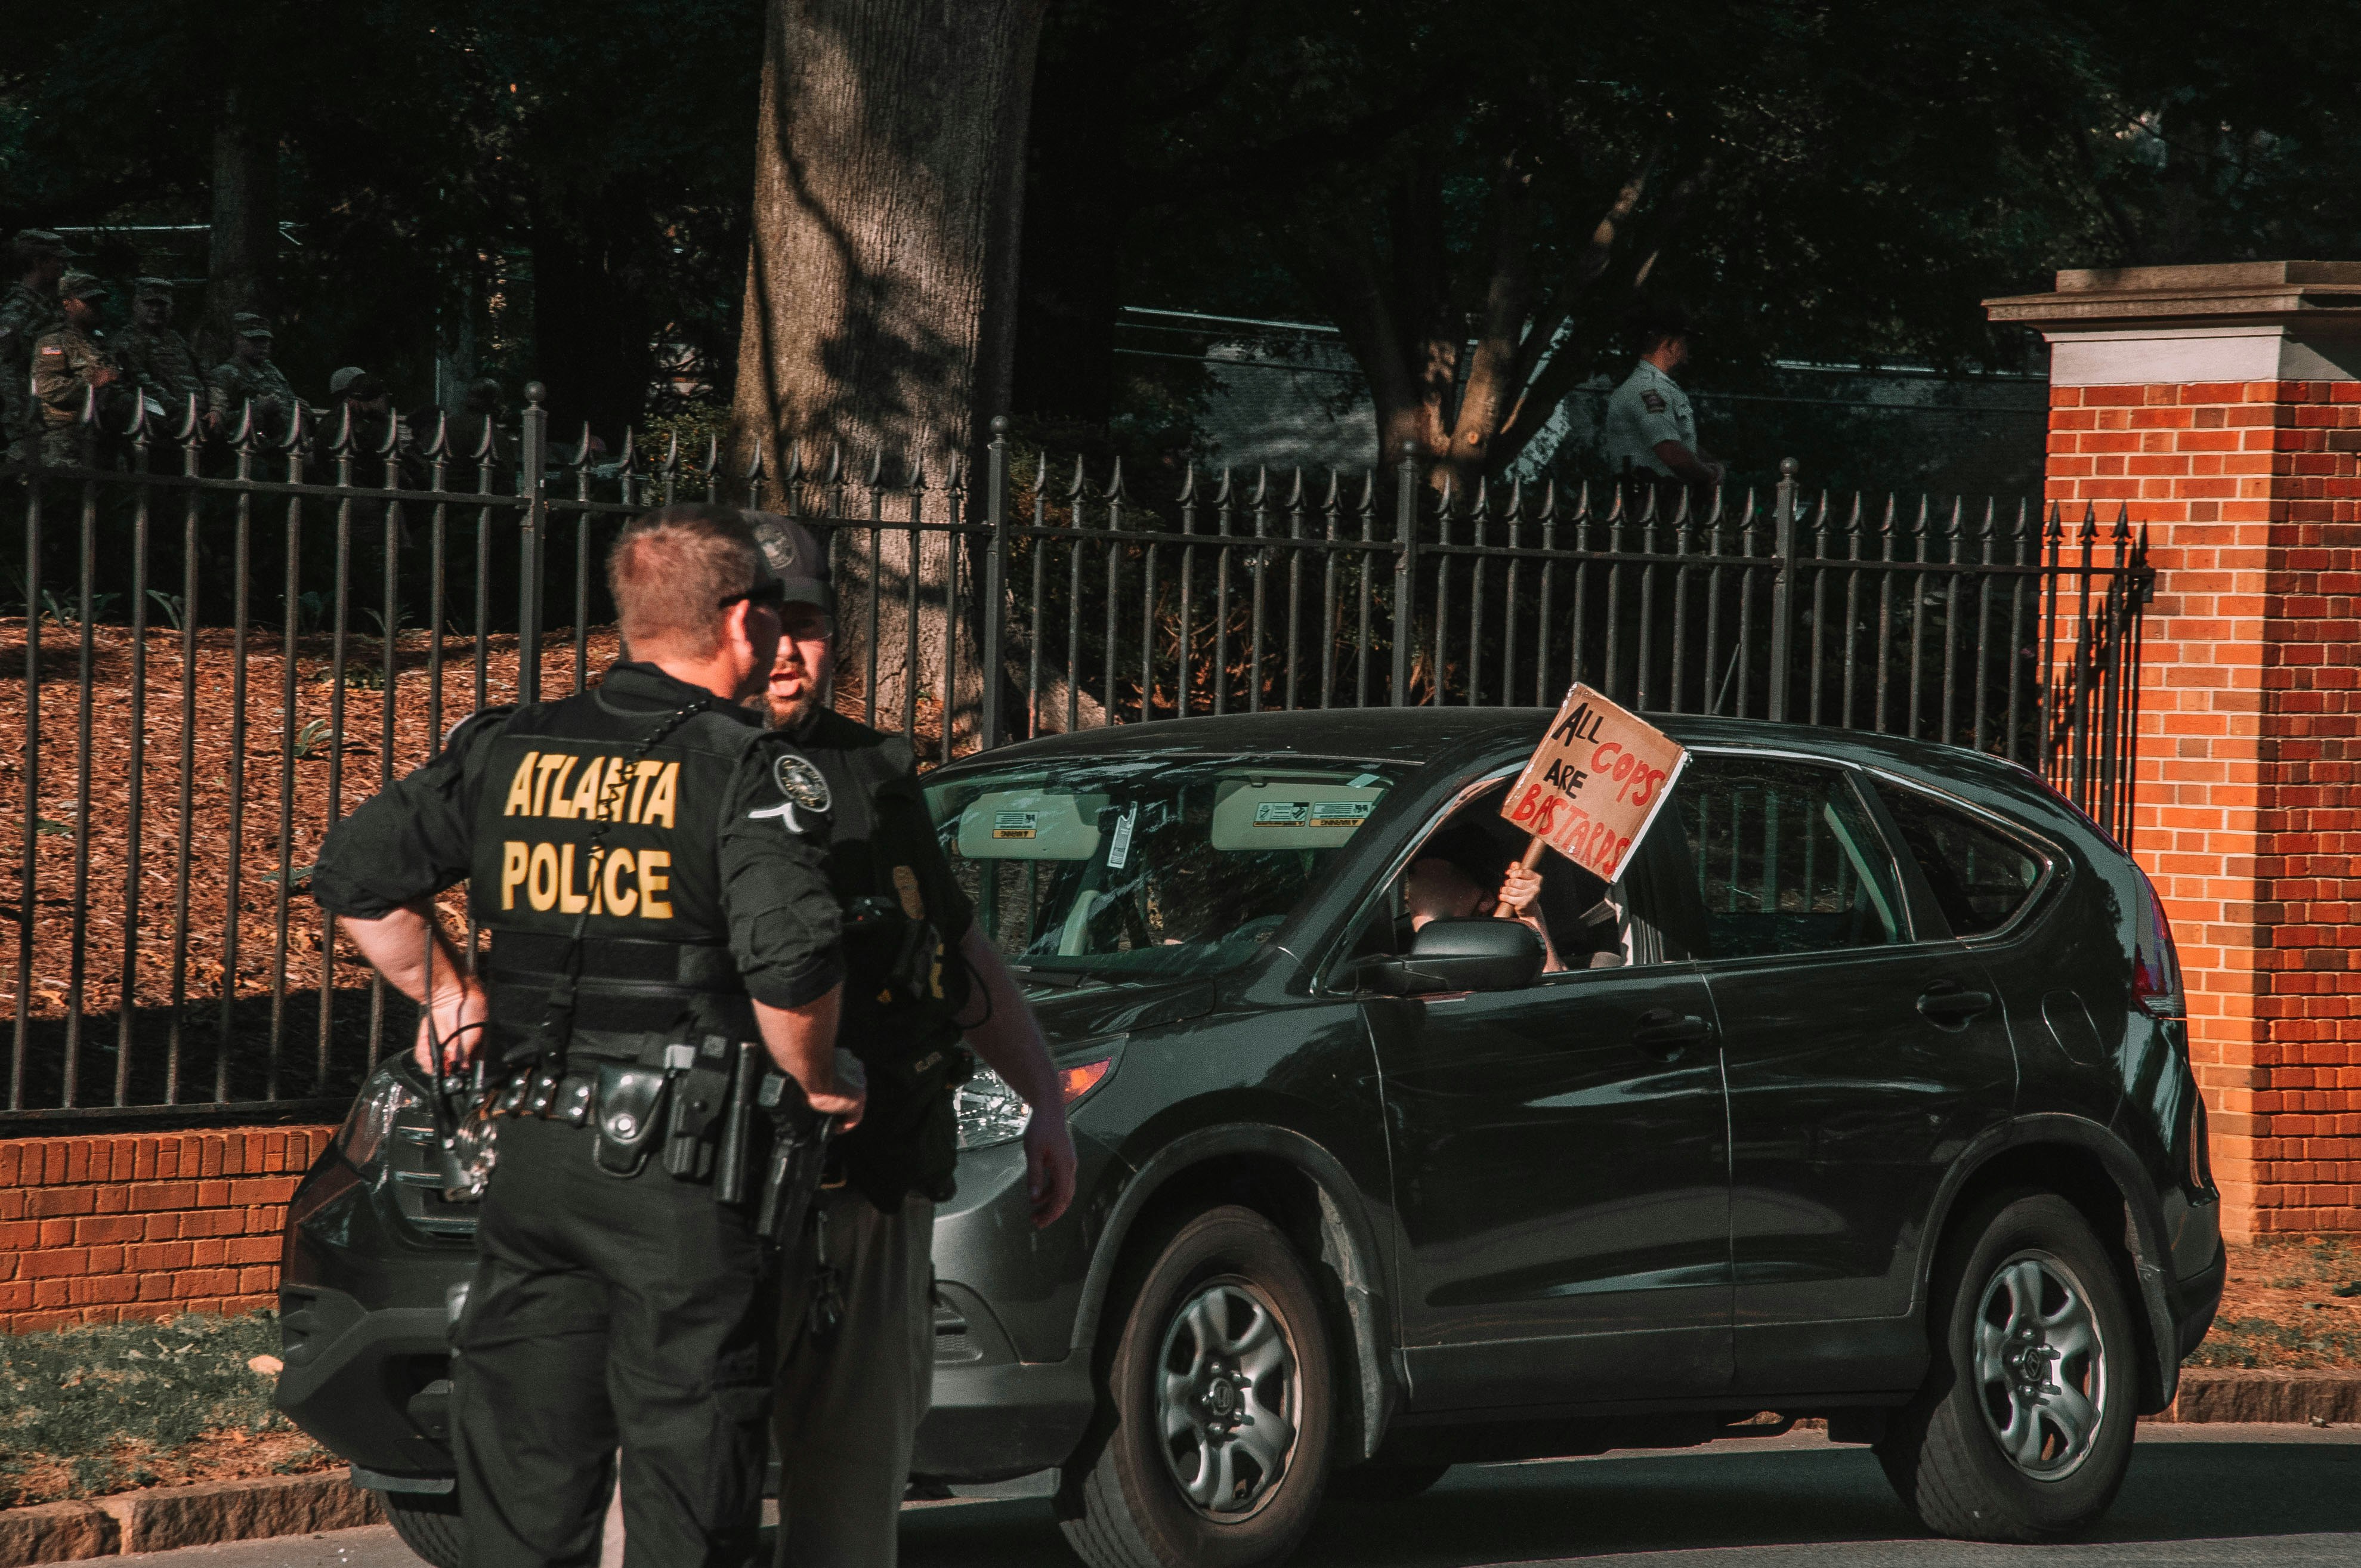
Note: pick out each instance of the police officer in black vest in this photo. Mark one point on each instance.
(658, 900)
(856, 1318)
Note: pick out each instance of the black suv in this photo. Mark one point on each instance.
(1864, 1094)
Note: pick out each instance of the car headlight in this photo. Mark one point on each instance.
(990, 1113)
(362, 1139)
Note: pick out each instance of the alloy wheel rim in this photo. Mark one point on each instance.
(1228, 1388)
(2041, 1365)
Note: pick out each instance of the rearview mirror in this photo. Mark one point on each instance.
(1461, 955)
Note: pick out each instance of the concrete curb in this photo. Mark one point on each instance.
(2263, 1394)
(162, 1517)
(165, 1516)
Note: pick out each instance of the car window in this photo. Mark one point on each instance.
(1457, 869)
(1981, 877)
(1785, 859)
(1142, 866)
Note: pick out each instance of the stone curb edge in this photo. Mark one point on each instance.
(166, 1517)
(163, 1518)
(2231, 1394)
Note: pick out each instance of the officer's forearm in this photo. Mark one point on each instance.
(1007, 1037)
(1686, 464)
(802, 1040)
(396, 944)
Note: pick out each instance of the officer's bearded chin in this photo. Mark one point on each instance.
(789, 710)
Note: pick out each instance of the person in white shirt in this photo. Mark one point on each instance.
(1650, 429)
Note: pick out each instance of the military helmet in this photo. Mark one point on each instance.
(248, 324)
(41, 242)
(152, 288)
(81, 286)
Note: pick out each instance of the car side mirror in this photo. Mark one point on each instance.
(1461, 955)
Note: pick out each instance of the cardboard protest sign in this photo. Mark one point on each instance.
(1594, 782)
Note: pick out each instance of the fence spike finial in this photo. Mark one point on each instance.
(629, 459)
(1188, 483)
(752, 475)
(1079, 482)
(877, 467)
(438, 441)
(185, 431)
(1261, 485)
(1114, 490)
(1335, 492)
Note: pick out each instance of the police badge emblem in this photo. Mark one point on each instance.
(800, 782)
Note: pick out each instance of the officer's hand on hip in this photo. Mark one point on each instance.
(455, 1021)
(1048, 1165)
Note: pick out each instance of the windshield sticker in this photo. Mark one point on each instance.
(1365, 779)
(1119, 852)
(1282, 813)
(1014, 824)
(1340, 813)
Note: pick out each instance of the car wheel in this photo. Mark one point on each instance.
(1383, 1483)
(2022, 1429)
(1214, 1408)
(429, 1524)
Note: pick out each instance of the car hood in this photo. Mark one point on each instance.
(1091, 1013)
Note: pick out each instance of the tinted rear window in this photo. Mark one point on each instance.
(1980, 876)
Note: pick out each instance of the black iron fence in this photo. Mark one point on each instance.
(223, 641)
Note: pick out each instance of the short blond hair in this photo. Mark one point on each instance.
(669, 572)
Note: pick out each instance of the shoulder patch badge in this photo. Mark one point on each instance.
(1652, 401)
(800, 782)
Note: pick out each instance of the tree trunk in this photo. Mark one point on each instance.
(880, 293)
(245, 237)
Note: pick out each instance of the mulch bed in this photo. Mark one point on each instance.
(2291, 1303)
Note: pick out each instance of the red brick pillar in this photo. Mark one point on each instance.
(2219, 406)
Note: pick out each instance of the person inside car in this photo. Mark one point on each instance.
(1448, 879)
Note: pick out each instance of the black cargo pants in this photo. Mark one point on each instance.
(608, 1313)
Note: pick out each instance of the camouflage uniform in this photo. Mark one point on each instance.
(161, 359)
(235, 383)
(64, 365)
(26, 315)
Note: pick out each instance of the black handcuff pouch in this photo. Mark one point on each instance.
(629, 1107)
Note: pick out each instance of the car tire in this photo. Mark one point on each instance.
(2023, 1429)
(1215, 1407)
(429, 1524)
(1384, 1483)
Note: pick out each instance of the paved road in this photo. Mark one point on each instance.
(2219, 1497)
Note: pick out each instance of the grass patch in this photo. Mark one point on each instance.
(2290, 1301)
(105, 1407)
(2259, 1341)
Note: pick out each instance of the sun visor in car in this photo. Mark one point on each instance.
(1291, 816)
(1030, 825)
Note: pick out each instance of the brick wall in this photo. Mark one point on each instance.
(144, 1226)
(2250, 709)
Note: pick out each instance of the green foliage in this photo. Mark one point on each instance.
(2259, 1341)
(104, 1399)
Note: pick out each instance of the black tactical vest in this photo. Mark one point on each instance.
(644, 893)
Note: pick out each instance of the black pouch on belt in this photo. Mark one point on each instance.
(700, 1096)
(630, 1103)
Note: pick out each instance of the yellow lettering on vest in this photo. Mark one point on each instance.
(541, 883)
(569, 900)
(512, 863)
(549, 763)
(653, 865)
(621, 897)
(520, 802)
(585, 794)
(661, 799)
(639, 777)
(559, 806)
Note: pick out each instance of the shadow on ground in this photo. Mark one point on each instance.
(2201, 1497)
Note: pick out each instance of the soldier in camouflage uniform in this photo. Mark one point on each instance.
(156, 355)
(37, 259)
(68, 364)
(251, 378)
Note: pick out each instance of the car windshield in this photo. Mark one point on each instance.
(1147, 866)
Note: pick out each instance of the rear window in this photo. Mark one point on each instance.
(1980, 876)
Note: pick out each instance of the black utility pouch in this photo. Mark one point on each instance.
(631, 1100)
(701, 1098)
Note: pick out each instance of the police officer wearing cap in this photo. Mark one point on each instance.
(657, 902)
(856, 1328)
(30, 309)
(1651, 430)
(155, 353)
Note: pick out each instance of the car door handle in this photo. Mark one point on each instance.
(1665, 1034)
(1944, 1002)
